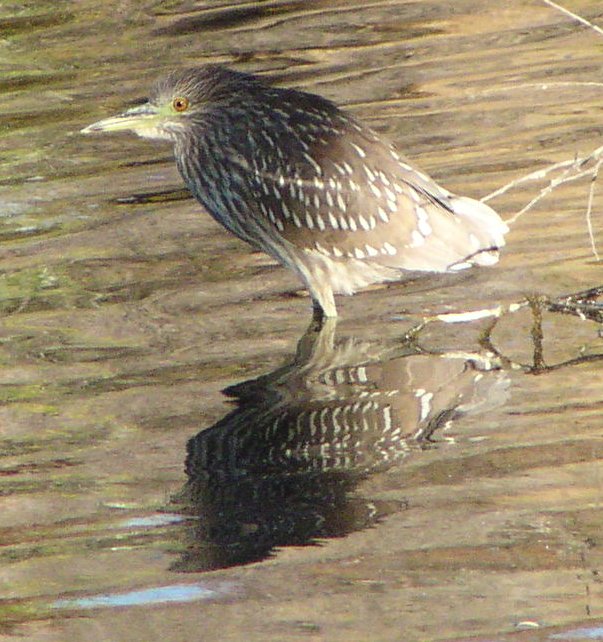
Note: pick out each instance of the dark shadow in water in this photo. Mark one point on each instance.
(283, 467)
(228, 17)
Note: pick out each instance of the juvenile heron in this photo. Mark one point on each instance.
(295, 176)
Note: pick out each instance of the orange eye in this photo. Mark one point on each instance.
(180, 103)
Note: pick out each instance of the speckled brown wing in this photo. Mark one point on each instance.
(340, 191)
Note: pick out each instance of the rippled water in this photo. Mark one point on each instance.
(356, 484)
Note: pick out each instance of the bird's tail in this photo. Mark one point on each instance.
(485, 226)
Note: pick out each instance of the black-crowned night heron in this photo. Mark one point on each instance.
(296, 177)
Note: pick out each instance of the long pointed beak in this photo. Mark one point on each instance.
(134, 119)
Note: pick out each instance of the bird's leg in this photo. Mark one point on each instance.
(323, 301)
(318, 315)
(317, 341)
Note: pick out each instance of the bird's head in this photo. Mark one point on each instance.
(178, 101)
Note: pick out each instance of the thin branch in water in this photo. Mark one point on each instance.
(572, 171)
(589, 209)
(533, 176)
(574, 16)
(564, 178)
(557, 84)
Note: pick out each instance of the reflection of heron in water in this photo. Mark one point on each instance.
(282, 467)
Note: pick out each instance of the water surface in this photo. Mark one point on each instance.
(126, 311)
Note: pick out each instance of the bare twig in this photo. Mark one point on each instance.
(584, 304)
(570, 170)
(589, 209)
(528, 178)
(557, 84)
(564, 178)
(574, 16)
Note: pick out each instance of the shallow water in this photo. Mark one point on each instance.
(137, 501)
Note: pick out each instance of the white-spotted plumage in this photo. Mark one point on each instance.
(283, 169)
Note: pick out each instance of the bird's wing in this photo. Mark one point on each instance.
(343, 192)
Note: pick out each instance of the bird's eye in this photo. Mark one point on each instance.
(180, 103)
